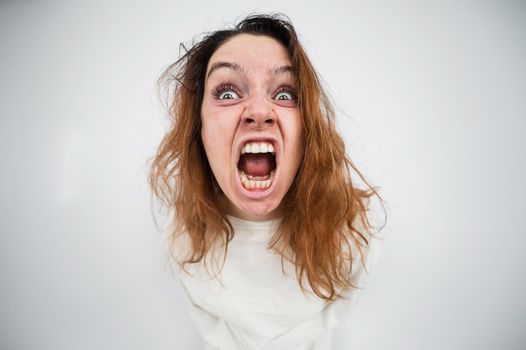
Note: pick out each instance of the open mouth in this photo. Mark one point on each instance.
(256, 165)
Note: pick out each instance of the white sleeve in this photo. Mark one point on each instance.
(360, 276)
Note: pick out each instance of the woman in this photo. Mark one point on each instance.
(270, 234)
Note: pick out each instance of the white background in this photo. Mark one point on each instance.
(431, 98)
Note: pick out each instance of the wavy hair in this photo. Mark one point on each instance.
(324, 214)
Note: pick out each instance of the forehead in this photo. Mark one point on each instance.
(251, 51)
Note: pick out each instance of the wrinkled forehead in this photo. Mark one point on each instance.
(247, 54)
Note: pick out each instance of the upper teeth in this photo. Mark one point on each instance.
(258, 147)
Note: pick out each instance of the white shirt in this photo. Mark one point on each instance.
(253, 304)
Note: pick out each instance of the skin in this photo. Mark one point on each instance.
(255, 102)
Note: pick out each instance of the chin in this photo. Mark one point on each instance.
(258, 211)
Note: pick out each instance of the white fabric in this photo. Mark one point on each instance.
(253, 304)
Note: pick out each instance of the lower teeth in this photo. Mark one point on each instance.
(252, 183)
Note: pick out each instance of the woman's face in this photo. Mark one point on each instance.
(251, 126)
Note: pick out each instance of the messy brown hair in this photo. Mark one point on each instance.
(324, 214)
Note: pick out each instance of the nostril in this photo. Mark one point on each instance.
(259, 121)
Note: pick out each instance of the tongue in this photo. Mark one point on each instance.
(257, 164)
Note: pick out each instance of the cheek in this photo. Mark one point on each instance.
(294, 134)
(208, 134)
(213, 143)
(217, 133)
(208, 128)
(298, 141)
(292, 130)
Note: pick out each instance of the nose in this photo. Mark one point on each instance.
(259, 114)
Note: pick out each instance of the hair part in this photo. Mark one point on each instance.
(324, 214)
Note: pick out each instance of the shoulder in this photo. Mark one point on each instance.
(365, 260)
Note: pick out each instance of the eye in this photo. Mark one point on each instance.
(285, 94)
(226, 92)
(227, 95)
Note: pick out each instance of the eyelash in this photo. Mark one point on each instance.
(229, 87)
(223, 88)
(288, 89)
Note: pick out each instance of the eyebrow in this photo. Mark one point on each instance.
(280, 70)
(222, 64)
